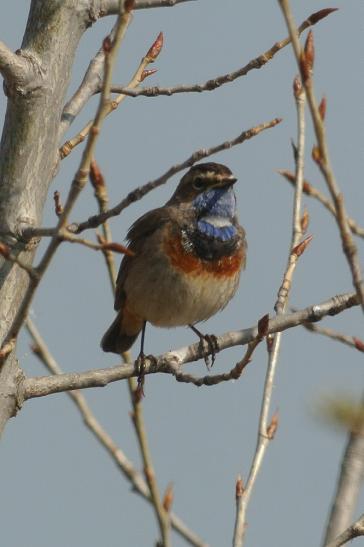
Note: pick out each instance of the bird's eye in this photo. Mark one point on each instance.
(198, 183)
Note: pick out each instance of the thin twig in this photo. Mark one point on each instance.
(305, 63)
(212, 380)
(296, 250)
(313, 192)
(162, 516)
(350, 341)
(355, 530)
(141, 191)
(218, 81)
(5, 251)
(46, 385)
(123, 463)
(110, 106)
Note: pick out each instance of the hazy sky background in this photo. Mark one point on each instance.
(58, 485)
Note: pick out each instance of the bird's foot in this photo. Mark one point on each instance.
(208, 346)
(140, 365)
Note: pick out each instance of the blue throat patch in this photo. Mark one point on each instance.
(224, 232)
(219, 205)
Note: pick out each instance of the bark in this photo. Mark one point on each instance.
(28, 149)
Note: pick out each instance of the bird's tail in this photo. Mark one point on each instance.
(122, 333)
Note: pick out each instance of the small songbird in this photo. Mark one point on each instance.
(187, 260)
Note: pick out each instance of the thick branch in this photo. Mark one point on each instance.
(355, 530)
(110, 7)
(173, 360)
(28, 147)
(13, 67)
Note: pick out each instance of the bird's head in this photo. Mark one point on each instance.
(208, 187)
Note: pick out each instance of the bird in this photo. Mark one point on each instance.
(186, 260)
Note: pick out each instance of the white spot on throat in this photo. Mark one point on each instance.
(217, 222)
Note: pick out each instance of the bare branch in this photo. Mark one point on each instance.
(141, 191)
(13, 67)
(42, 386)
(348, 486)
(218, 81)
(162, 516)
(123, 463)
(79, 181)
(305, 64)
(350, 341)
(90, 80)
(110, 7)
(354, 531)
(313, 192)
(296, 249)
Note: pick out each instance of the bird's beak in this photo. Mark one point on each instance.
(227, 181)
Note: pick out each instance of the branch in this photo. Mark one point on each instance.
(13, 67)
(313, 192)
(348, 486)
(77, 184)
(45, 385)
(141, 191)
(126, 467)
(304, 60)
(210, 85)
(351, 341)
(90, 80)
(162, 516)
(354, 531)
(296, 250)
(110, 7)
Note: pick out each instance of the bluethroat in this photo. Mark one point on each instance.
(187, 260)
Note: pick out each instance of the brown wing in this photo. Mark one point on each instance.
(138, 232)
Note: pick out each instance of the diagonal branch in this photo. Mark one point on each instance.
(13, 67)
(122, 462)
(110, 7)
(304, 60)
(296, 249)
(162, 516)
(46, 385)
(353, 531)
(313, 192)
(218, 81)
(140, 192)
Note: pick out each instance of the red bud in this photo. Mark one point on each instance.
(318, 15)
(155, 48)
(301, 247)
(107, 44)
(147, 73)
(322, 108)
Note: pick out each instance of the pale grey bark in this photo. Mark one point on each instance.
(348, 487)
(28, 146)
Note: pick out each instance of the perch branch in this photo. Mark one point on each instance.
(46, 385)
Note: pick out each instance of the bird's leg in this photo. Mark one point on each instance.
(212, 346)
(140, 362)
